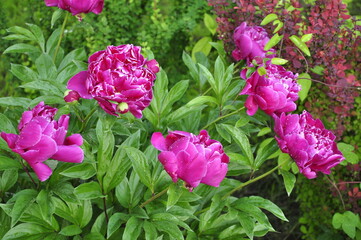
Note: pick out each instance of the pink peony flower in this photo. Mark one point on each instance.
(194, 159)
(76, 7)
(41, 137)
(308, 142)
(250, 43)
(274, 92)
(119, 78)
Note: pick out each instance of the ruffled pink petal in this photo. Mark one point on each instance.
(42, 171)
(98, 8)
(158, 141)
(251, 106)
(107, 106)
(75, 139)
(78, 83)
(51, 3)
(191, 169)
(25, 118)
(72, 154)
(169, 161)
(10, 139)
(245, 45)
(42, 151)
(30, 135)
(216, 172)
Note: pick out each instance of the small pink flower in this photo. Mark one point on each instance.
(250, 43)
(194, 159)
(274, 92)
(76, 7)
(119, 78)
(308, 142)
(41, 137)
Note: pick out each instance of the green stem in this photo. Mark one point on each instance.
(87, 117)
(242, 185)
(222, 117)
(154, 197)
(61, 36)
(27, 172)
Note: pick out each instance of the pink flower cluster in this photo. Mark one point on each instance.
(41, 138)
(194, 159)
(308, 142)
(250, 43)
(119, 78)
(275, 92)
(76, 7)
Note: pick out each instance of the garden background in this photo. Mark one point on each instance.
(171, 28)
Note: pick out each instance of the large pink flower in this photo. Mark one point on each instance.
(194, 159)
(308, 142)
(274, 92)
(250, 43)
(77, 6)
(41, 137)
(119, 78)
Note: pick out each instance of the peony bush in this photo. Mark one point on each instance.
(100, 173)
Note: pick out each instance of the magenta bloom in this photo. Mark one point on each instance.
(119, 78)
(77, 6)
(41, 137)
(308, 142)
(250, 43)
(194, 159)
(274, 92)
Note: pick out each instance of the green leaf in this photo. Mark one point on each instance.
(45, 204)
(267, 205)
(56, 15)
(53, 41)
(45, 86)
(242, 140)
(70, 230)
(191, 66)
(88, 190)
(46, 67)
(306, 37)
(202, 46)
(201, 100)
(337, 220)
(38, 34)
(21, 48)
(301, 45)
(83, 171)
(115, 221)
(75, 55)
(247, 223)
(279, 61)
(208, 75)
(261, 71)
(149, 230)
(27, 231)
(273, 41)
(8, 179)
(170, 218)
(210, 23)
(347, 152)
(289, 180)
(269, 18)
(15, 101)
(267, 147)
(175, 93)
(133, 228)
(305, 82)
(264, 131)
(23, 200)
(8, 163)
(94, 236)
(23, 73)
(174, 193)
(140, 165)
(279, 25)
(170, 228)
(106, 145)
